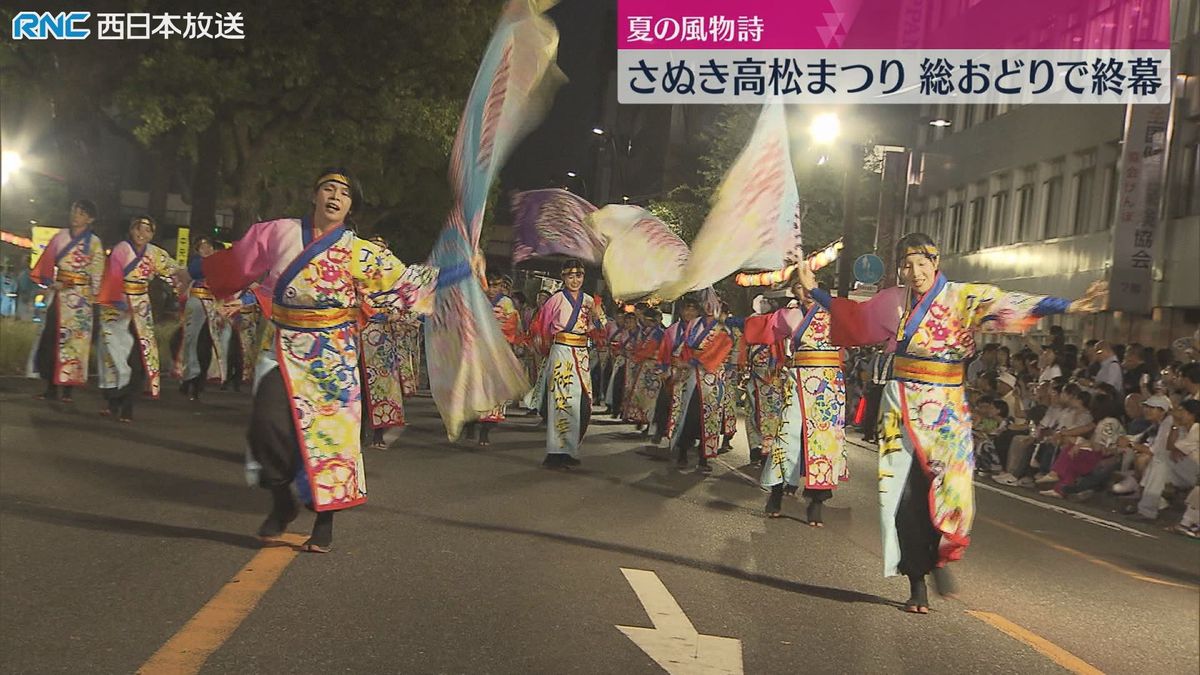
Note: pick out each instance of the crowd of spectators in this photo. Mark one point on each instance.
(1073, 422)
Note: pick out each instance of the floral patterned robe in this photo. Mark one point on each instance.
(77, 264)
(124, 295)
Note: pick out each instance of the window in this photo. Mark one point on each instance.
(1108, 210)
(937, 220)
(1084, 196)
(1052, 189)
(1024, 228)
(998, 229)
(975, 234)
(953, 237)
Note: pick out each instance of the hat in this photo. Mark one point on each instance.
(1158, 401)
(1008, 378)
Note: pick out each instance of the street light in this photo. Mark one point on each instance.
(940, 122)
(825, 128)
(571, 174)
(10, 163)
(598, 131)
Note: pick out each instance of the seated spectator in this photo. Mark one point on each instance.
(1189, 525)
(991, 420)
(1083, 456)
(1189, 381)
(986, 361)
(1122, 461)
(1048, 363)
(1074, 424)
(1109, 368)
(1137, 373)
(1174, 460)
(1006, 391)
(1021, 447)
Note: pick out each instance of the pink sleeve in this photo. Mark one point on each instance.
(546, 316)
(785, 322)
(855, 324)
(232, 270)
(43, 271)
(112, 287)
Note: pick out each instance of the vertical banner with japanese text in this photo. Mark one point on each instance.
(182, 244)
(1139, 205)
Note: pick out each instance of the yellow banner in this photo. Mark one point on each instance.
(182, 244)
(41, 239)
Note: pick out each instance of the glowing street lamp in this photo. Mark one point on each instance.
(825, 128)
(571, 174)
(598, 131)
(940, 123)
(10, 163)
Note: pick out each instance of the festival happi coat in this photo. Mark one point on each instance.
(200, 308)
(640, 333)
(729, 382)
(310, 289)
(409, 333)
(381, 358)
(924, 419)
(808, 449)
(245, 322)
(505, 311)
(565, 321)
(763, 357)
(76, 264)
(124, 295)
(697, 366)
(647, 376)
(619, 346)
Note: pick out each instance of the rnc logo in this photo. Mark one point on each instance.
(44, 25)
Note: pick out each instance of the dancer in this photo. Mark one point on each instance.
(646, 372)
(306, 417)
(129, 358)
(244, 344)
(671, 356)
(620, 348)
(925, 454)
(807, 448)
(384, 395)
(730, 379)
(203, 353)
(505, 312)
(763, 357)
(566, 320)
(696, 404)
(72, 266)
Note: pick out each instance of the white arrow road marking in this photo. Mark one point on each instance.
(673, 643)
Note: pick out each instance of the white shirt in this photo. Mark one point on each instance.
(1190, 444)
(1049, 373)
(1110, 373)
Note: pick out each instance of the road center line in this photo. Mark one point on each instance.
(1070, 512)
(1057, 654)
(205, 632)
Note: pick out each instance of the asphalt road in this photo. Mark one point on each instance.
(113, 537)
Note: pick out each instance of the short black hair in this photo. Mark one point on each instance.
(87, 206)
(914, 240)
(350, 182)
(1191, 372)
(136, 220)
(570, 265)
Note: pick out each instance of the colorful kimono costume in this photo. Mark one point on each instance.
(808, 447)
(306, 420)
(645, 377)
(926, 462)
(381, 365)
(204, 350)
(506, 315)
(245, 343)
(698, 374)
(567, 320)
(408, 328)
(128, 349)
(764, 356)
(60, 353)
(729, 383)
(618, 349)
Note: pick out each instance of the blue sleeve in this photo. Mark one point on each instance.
(822, 296)
(736, 322)
(1050, 305)
(195, 268)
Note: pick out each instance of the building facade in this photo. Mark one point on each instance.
(1028, 198)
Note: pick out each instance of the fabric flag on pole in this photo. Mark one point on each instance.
(550, 222)
(472, 369)
(755, 219)
(642, 253)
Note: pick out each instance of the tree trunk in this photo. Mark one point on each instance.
(163, 157)
(205, 179)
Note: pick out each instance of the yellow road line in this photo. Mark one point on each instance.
(1132, 574)
(189, 648)
(1057, 654)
